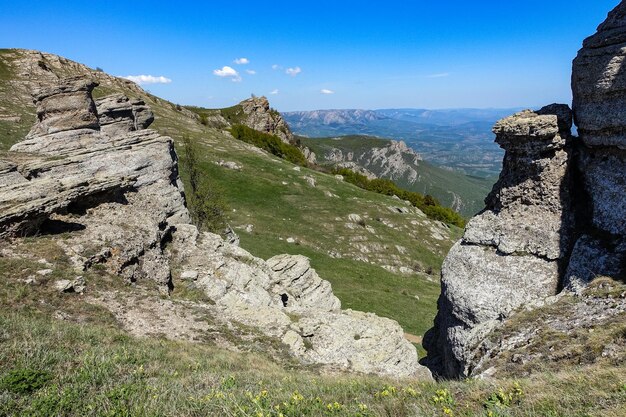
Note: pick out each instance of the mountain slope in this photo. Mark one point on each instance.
(458, 139)
(382, 259)
(394, 160)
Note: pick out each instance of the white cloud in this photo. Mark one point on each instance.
(148, 79)
(228, 72)
(251, 72)
(276, 67)
(274, 92)
(326, 91)
(293, 71)
(242, 61)
(440, 75)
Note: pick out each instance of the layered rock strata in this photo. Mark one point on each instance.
(93, 172)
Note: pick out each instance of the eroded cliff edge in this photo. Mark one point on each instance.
(555, 220)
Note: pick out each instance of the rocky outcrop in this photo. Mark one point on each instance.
(93, 172)
(284, 298)
(599, 88)
(554, 220)
(510, 254)
(124, 188)
(119, 114)
(394, 161)
(258, 115)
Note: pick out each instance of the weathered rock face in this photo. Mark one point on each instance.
(285, 298)
(599, 87)
(118, 114)
(68, 106)
(260, 116)
(510, 254)
(124, 187)
(555, 219)
(388, 161)
(113, 187)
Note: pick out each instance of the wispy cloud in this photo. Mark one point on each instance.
(241, 61)
(228, 72)
(276, 67)
(326, 91)
(251, 72)
(274, 92)
(293, 71)
(439, 75)
(148, 79)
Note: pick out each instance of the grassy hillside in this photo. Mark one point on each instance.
(272, 204)
(449, 187)
(66, 356)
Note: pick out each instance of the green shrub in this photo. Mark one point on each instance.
(428, 204)
(24, 381)
(204, 200)
(270, 143)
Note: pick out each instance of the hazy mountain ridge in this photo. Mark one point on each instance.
(458, 139)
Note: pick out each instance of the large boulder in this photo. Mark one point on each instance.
(65, 106)
(284, 298)
(119, 114)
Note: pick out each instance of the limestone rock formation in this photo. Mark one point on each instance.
(94, 171)
(260, 116)
(556, 218)
(599, 88)
(388, 161)
(511, 253)
(125, 187)
(118, 114)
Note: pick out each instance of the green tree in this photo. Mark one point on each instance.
(204, 200)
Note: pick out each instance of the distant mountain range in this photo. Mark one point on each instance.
(457, 139)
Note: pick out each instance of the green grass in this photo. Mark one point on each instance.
(89, 370)
(432, 180)
(257, 196)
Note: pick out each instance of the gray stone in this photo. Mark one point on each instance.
(599, 83)
(77, 285)
(259, 116)
(65, 106)
(118, 114)
(510, 253)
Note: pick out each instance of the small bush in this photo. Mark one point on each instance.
(428, 204)
(24, 381)
(204, 200)
(270, 143)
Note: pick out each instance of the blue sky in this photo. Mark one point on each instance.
(321, 54)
